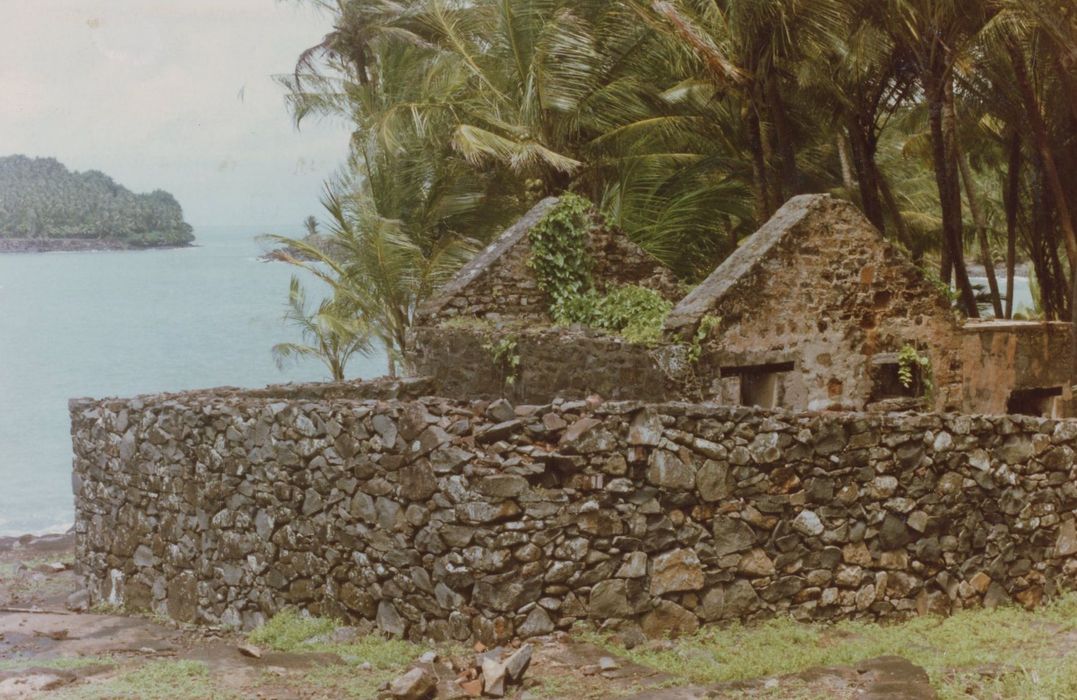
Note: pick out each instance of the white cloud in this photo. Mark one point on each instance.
(170, 94)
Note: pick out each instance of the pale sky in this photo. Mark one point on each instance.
(170, 94)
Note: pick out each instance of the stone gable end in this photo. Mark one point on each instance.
(815, 295)
(498, 283)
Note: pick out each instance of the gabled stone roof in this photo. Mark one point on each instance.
(485, 259)
(498, 283)
(745, 260)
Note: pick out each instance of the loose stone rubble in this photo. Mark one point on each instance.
(491, 673)
(439, 519)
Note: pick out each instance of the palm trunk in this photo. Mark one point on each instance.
(1043, 145)
(939, 94)
(759, 167)
(904, 234)
(846, 166)
(1039, 131)
(867, 174)
(1039, 245)
(774, 181)
(786, 142)
(1012, 202)
(981, 230)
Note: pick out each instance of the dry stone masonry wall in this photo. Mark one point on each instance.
(431, 518)
(568, 363)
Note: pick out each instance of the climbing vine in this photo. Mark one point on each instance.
(559, 254)
(707, 324)
(505, 354)
(909, 359)
(562, 265)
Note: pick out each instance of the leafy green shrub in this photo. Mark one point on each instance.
(633, 312)
(505, 354)
(563, 266)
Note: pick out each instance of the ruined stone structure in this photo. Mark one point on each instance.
(497, 285)
(812, 312)
(456, 519)
(474, 518)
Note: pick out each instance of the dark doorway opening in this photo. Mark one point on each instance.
(1033, 402)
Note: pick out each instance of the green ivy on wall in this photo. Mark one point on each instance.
(562, 265)
(559, 254)
(909, 360)
(633, 312)
(505, 354)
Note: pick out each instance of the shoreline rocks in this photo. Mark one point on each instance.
(74, 245)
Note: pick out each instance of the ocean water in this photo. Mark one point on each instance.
(1022, 293)
(124, 323)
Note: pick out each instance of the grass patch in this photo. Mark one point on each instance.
(60, 663)
(963, 654)
(288, 629)
(292, 631)
(551, 687)
(347, 681)
(158, 680)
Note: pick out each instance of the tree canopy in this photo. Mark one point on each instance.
(689, 122)
(40, 198)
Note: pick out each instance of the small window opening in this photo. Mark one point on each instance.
(886, 379)
(1033, 402)
(759, 384)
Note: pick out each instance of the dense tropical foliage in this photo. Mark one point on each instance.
(951, 123)
(40, 198)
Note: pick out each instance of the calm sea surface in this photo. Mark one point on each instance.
(117, 324)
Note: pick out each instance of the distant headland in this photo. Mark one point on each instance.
(46, 207)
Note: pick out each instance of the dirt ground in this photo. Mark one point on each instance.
(48, 651)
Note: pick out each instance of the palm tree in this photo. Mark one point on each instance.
(333, 333)
(677, 115)
(381, 268)
(532, 99)
(936, 34)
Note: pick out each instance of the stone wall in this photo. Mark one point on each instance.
(1002, 357)
(447, 519)
(551, 363)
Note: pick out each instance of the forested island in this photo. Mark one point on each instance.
(44, 206)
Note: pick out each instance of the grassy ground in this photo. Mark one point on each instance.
(1000, 653)
(368, 661)
(62, 663)
(981, 654)
(155, 680)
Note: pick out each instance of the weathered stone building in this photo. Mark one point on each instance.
(814, 311)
